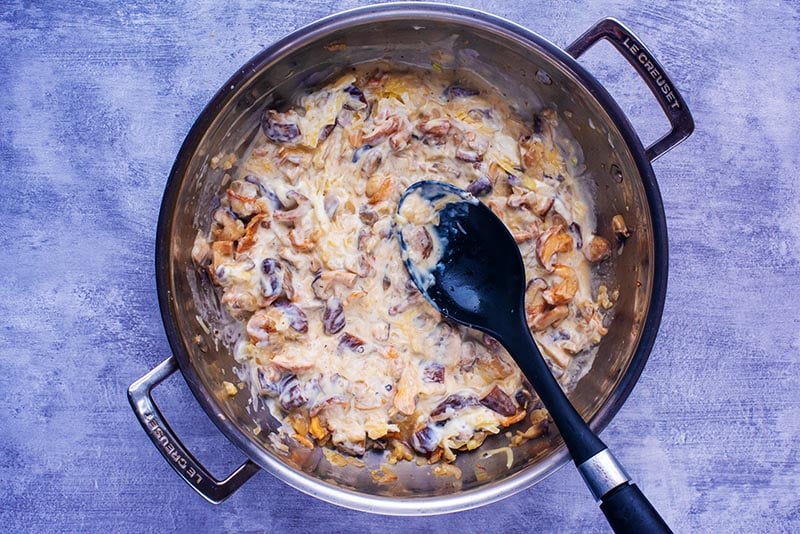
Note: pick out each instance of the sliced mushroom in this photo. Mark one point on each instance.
(548, 318)
(433, 373)
(368, 215)
(383, 192)
(419, 242)
(292, 162)
(269, 381)
(350, 342)
(288, 284)
(359, 152)
(336, 400)
(524, 200)
(470, 156)
(550, 243)
(304, 240)
(249, 240)
(325, 132)
(357, 99)
(370, 163)
(399, 140)
(280, 127)
(534, 300)
(480, 187)
(434, 127)
(291, 396)
(327, 282)
(226, 227)
(597, 249)
(452, 405)
(564, 290)
(426, 440)
(384, 127)
(479, 114)
(271, 279)
(542, 205)
(522, 236)
(333, 319)
(498, 401)
(292, 215)
(260, 326)
(244, 199)
(293, 315)
(537, 203)
(331, 203)
(533, 153)
(221, 252)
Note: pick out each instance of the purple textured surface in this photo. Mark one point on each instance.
(95, 99)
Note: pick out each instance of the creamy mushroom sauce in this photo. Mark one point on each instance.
(336, 339)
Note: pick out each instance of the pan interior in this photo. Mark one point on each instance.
(529, 74)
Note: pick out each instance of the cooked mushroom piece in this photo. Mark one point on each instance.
(367, 215)
(357, 99)
(620, 228)
(480, 187)
(425, 441)
(434, 127)
(370, 163)
(249, 240)
(333, 319)
(280, 127)
(329, 283)
(597, 249)
(418, 241)
(549, 318)
(303, 207)
(295, 317)
(291, 396)
(452, 405)
(565, 288)
(227, 226)
(351, 342)
(498, 401)
(550, 243)
(534, 301)
(271, 279)
(575, 230)
(433, 373)
(260, 326)
(331, 203)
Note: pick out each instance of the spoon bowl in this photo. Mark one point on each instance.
(479, 286)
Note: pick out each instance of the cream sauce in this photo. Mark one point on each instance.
(339, 343)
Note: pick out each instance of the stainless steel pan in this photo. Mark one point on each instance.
(533, 73)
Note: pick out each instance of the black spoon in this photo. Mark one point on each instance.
(478, 280)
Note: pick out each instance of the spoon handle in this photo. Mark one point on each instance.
(582, 443)
(624, 505)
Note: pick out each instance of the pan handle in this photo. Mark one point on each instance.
(651, 71)
(182, 461)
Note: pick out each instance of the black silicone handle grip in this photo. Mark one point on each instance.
(628, 511)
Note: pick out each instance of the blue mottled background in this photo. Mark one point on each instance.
(96, 98)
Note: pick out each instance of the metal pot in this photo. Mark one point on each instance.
(533, 73)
